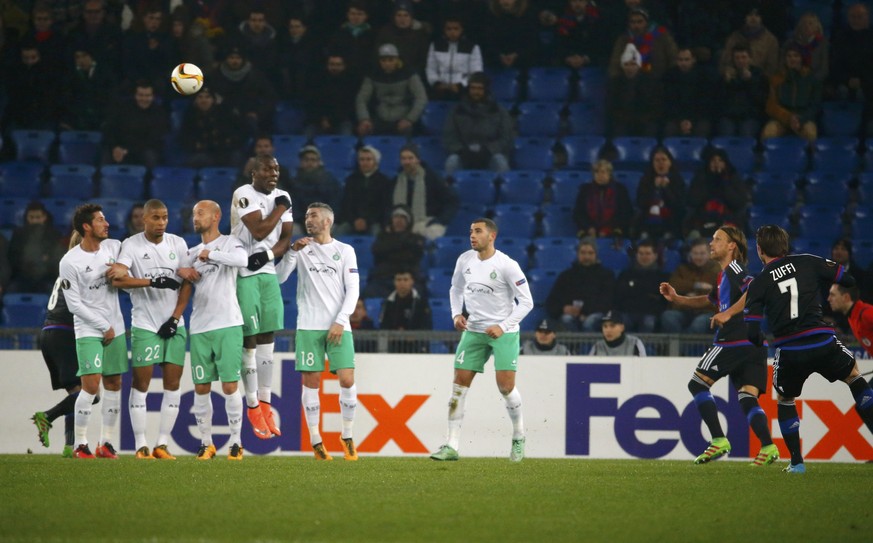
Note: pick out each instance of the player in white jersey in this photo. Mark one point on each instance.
(488, 283)
(216, 326)
(328, 285)
(148, 264)
(101, 348)
(261, 218)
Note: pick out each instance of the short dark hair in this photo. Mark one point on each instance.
(453, 19)
(154, 203)
(84, 215)
(854, 292)
(739, 48)
(359, 5)
(489, 224)
(646, 243)
(772, 240)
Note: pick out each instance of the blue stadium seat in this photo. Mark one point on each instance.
(288, 119)
(286, 147)
(24, 310)
(741, 152)
(20, 179)
(504, 85)
(33, 144)
(534, 317)
(865, 187)
(374, 309)
(216, 184)
(772, 188)
(363, 249)
(179, 216)
(541, 282)
(122, 181)
(565, 185)
(467, 213)
(337, 151)
(586, 118)
(841, 118)
(539, 118)
(516, 220)
(173, 183)
(868, 155)
(582, 151)
(71, 181)
(441, 311)
(447, 249)
(785, 154)
(591, 86)
(116, 211)
(755, 265)
(836, 154)
(862, 249)
(818, 247)
(548, 84)
(290, 313)
(79, 147)
(62, 211)
(614, 259)
(439, 281)
(687, 152)
(670, 259)
(827, 188)
(431, 151)
(862, 226)
(12, 211)
(557, 220)
(554, 253)
(633, 152)
(515, 248)
(630, 179)
(433, 120)
(390, 147)
(821, 222)
(475, 186)
(533, 153)
(521, 187)
(759, 215)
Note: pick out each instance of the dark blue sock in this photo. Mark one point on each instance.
(706, 405)
(757, 418)
(789, 423)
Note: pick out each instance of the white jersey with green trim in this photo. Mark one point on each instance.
(90, 296)
(328, 284)
(146, 260)
(215, 303)
(247, 199)
(489, 289)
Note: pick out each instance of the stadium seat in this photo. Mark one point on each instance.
(179, 216)
(582, 151)
(613, 259)
(630, 179)
(286, 147)
(539, 118)
(565, 185)
(122, 181)
(670, 260)
(862, 249)
(591, 86)
(841, 118)
(337, 151)
(541, 282)
(818, 247)
(504, 85)
(433, 120)
(79, 147)
(827, 188)
(173, 183)
(62, 211)
(633, 152)
(836, 154)
(11, 211)
(557, 220)
(533, 153)
(586, 118)
(71, 181)
(785, 154)
(554, 253)
(862, 226)
(772, 188)
(431, 151)
(116, 211)
(288, 119)
(516, 220)
(216, 183)
(21, 179)
(521, 187)
(467, 213)
(363, 249)
(687, 152)
(515, 248)
(821, 222)
(534, 317)
(548, 84)
(439, 281)
(759, 215)
(741, 152)
(754, 265)
(24, 310)
(475, 186)
(865, 187)
(447, 249)
(290, 313)
(374, 309)
(33, 144)
(390, 147)
(441, 312)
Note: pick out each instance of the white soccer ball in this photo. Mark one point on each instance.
(187, 79)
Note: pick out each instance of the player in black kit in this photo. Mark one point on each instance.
(731, 354)
(787, 293)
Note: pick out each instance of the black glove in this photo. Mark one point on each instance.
(283, 200)
(169, 328)
(753, 331)
(165, 282)
(259, 260)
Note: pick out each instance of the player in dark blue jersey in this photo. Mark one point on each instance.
(731, 353)
(787, 292)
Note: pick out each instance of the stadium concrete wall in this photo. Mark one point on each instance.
(581, 407)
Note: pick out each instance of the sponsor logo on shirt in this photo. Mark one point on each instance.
(479, 288)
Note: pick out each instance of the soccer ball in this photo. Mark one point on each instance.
(186, 79)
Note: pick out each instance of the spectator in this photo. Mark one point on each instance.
(398, 97)
(478, 132)
(244, 90)
(545, 341)
(300, 58)
(34, 100)
(842, 254)
(409, 36)
(581, 35)
(471, 14)
(330, 100)
(451, 60)
(211, 134)
(148, 53)
(742, 95)
(366, 196)
(603, 206)
(852, 51)
(135, 222)
(89, 88)
(134, 132)
(696, 277)
(360, 320)
(688, 89)
(313, 183)
(583, 292)
(636, 289)
(510, 35)
(34, 251)
(50, 41)
(258, 39)
(633, 100)
(717, 196)
(703, 26)
(763, 45)
(431, 201)
(809, 39)
(794, 100)
(264, 147)
(653, 42)
(396, 249)
(406, 309)
(661, 198)
(615, 342)
(355, 39)
(189, 43)
(95, 33)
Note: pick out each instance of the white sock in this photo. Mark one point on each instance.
(234, 406)
(203, 416)
(169, 413)
(111, 410)
(250, 377)
(456, 415)
(82, 417)
(348, 403)
(137, 407)
(264, 360)
(513, 408)
(312, 409)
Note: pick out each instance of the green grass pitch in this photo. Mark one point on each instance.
(46, 498)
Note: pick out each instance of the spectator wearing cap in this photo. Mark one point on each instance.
(410, 36)
(633, 100)
(35, 251)
(451, 60)
(763, 45)
(245, 90)
(478, 131)
(794, 100)
(392, 99)
(653, 42)
(615, 342)
(313, 183)
(545, 341)
(134, 131)
(300, 56)
(330, 99)
(405, 308)
(431, 201)
(366, 196)
(636, 289)
(396, 249)
(583, 292)
(211, 133)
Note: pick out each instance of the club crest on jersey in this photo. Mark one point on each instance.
(493, 275)
(336, 256)
(243, 202)
(172, 255)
